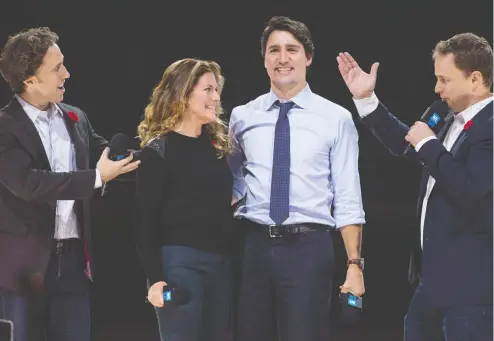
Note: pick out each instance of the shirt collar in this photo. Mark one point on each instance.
(470, 112)
(301, 100)
(34, 112)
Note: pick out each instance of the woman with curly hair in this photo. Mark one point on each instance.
(184, 192)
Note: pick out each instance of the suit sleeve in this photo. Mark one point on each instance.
(389, 130)
(96, 143)
(18, 176)
(150, 195)
(467, 180)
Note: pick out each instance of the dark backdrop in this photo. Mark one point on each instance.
(116, 52)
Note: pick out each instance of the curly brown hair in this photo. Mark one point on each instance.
(169, 100)
(23, 54)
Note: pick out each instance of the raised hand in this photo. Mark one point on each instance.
(360, 84)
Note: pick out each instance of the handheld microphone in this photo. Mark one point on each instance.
(176, 296)
(351, 308)
(120, 147)
(434, 118)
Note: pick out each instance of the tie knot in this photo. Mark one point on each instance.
(285, 107)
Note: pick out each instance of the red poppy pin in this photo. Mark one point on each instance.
(468, 125)
(213, 142)
(73, 116)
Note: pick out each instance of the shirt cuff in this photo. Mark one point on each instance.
(98, 182)
(365, 106)
(424, 141)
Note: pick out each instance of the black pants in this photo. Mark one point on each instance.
(285, 287)
(424, 322)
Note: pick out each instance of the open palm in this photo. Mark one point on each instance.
(360, 83)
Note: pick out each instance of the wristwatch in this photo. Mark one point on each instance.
(357, 261)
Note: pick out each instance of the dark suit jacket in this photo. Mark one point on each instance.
(456, 263)
(29, 191)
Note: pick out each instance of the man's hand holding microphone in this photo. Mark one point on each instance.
(109, 169)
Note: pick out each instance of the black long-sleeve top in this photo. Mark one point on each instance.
(182, 199)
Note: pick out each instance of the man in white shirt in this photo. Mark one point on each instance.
(453, 299)
(46, 183)
(295, 169)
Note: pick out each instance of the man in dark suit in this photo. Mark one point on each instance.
(46, 184)
(453, 299)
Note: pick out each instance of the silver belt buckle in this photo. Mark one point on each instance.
(271, 234)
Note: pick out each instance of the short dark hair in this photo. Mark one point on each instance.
(471, 52)
(297, 28)
(23, 54)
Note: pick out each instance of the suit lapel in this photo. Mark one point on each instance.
(75, 135)
(27, 134)
(477, 121)
(441, 136)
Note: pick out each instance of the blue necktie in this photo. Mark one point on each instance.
(280, 179)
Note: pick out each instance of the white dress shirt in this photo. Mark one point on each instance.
(61, 154)
(323, 164)
(365, 106)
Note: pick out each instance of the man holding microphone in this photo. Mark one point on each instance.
(453, 299)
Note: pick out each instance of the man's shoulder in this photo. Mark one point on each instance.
(6, 116)
(255, 104)
(78, 111)
(69, 107)
(331, 107)
(6, 121)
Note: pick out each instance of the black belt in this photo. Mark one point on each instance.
(64, 246)
(278, 231)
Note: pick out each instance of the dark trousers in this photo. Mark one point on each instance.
(61, 312)
(285, 287)
(206, 276)
(424, 322)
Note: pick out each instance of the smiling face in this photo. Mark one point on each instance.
(286, 62)
(47, 85)
(204, 100)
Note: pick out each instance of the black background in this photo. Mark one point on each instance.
(116, 52)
